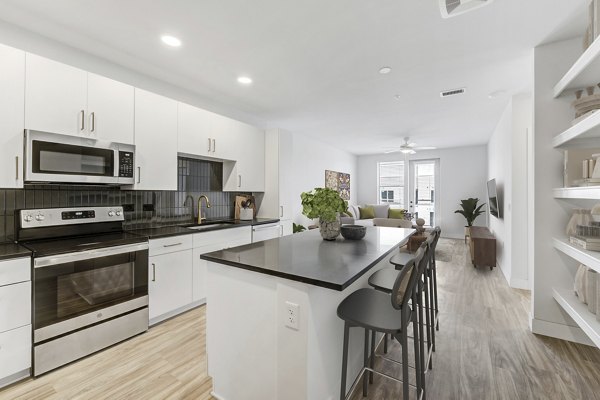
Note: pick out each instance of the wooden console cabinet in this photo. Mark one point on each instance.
(483, 247)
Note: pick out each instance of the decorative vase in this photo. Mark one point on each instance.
(580, 283)
(580, 216)
(330, 230)
(590, 291)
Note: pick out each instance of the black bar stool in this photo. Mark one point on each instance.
(383, 279)
(376, 311)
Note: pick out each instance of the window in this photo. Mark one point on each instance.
(391, 183)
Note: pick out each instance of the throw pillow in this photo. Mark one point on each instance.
(367, 212)
(396, 213)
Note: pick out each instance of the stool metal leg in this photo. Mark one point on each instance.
(421, 340)
(435, 294)
(344, 361)
(385, 338)
(372, 356)
(404, 340)
(366, 362)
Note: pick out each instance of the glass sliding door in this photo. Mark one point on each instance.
(424, 190)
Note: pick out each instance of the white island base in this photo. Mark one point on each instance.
(253, 355)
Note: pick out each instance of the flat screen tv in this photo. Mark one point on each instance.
(493, 201)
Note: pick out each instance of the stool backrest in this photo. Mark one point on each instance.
(406, 281)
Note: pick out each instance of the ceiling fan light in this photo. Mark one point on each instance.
(407, 151)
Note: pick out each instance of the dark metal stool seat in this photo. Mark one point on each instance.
(372, 310)
(383, 280)
(399, 260)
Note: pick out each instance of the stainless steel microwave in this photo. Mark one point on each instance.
(54, 158)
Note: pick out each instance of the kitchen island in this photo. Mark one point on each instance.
(255, 348)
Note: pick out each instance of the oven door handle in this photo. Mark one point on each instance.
(87, 255)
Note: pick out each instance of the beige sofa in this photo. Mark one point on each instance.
(381, 217)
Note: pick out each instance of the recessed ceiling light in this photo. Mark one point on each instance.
(170, 41)
(385, 70)
(244, 80)
(398, 96)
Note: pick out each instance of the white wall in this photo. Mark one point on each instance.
(500, 168)
(508, 164)
(311, 159)
(463, 174)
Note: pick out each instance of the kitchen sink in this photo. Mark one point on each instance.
(210, 226)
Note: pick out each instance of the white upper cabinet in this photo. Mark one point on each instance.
(278, 198)
(12, 98)
(155, 141)
(194, 131)
(63, 99)
(251, 157)
(110, 110)
(225, 144)
(55, 96)
(247, 173)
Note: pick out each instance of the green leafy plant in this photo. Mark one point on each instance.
(297, 228)
(470, 210)
(323, 203)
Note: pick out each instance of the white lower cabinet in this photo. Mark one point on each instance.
(15, 352)
(207, 242)
(15, 320)
(169, 284)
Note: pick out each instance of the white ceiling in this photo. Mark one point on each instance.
(315, 63)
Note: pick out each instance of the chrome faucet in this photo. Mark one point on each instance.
(200, 217)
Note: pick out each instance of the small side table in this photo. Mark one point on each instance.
(415, 241)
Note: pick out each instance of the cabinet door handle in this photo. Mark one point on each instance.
(172, 245)
(153, 272)
(209, 145)
(17, 167)
(93, 123)
(281, 211)
(139, 174)
(214, 145)
(239, 181)
(82, 112)
(280, 230)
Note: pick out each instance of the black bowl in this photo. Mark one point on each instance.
(353, 232)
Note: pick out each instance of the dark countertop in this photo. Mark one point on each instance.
(13, 250)
(177, 230)
(306, 257)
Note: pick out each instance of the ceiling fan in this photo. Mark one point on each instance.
(408, 148)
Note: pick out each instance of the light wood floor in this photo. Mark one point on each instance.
(484, 351)
(167, 362)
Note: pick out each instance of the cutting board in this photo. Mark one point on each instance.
(238, 205)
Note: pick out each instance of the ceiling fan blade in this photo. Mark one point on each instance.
(391, 151)
(425, 148)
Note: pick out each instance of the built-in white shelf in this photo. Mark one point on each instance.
(579, 312)
(583, 73)
(583, 192)
(585, 129)
(589, 258)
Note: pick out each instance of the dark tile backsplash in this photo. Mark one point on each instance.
(195, 177)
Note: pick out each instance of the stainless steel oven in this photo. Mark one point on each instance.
(90, 282)
(50, 157)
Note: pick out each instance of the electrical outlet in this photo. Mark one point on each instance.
(292, 315)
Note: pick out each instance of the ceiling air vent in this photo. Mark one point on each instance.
(452, 8)
(453, 92)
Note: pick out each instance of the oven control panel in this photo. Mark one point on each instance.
(45, 217)
(125, 164)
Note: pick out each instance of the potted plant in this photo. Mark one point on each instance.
(325, 204)
(470, 210)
